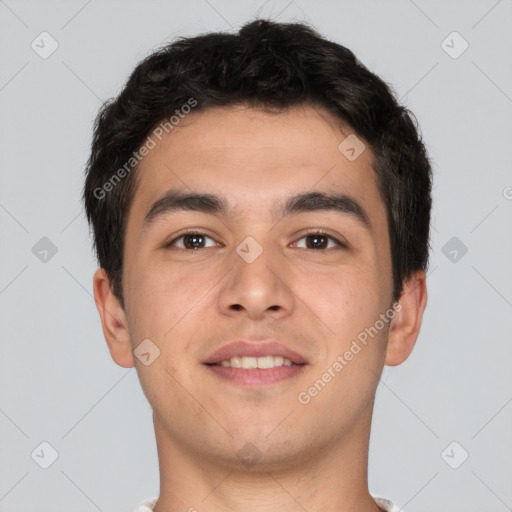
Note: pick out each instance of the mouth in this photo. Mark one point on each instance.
(255, 364)
(251, 363)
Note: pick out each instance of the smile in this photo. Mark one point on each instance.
(255, 371)
(248, 363)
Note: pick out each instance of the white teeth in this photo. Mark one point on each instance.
(263, 362)
(249, 362)
(236, 362)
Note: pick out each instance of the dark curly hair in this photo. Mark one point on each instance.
(266, 65)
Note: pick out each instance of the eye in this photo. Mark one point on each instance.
(191, 240)
(320, 240)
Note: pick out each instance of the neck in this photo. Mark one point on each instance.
(332, 478)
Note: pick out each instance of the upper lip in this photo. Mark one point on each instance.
(253, 349)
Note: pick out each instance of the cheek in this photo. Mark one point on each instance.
(160, 296)
(347, 303)
(167, 306)
(346, 293)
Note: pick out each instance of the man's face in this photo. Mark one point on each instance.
(252, 275)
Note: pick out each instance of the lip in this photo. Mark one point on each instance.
(256, 377)
(254, 349)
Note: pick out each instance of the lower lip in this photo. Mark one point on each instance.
(256, 376)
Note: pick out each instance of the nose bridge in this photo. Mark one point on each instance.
(256, 257)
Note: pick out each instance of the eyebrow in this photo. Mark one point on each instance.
(174, 201)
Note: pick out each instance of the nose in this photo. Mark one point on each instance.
(258, 284)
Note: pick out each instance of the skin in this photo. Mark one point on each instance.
(316, 301)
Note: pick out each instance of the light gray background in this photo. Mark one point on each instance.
(58, 383)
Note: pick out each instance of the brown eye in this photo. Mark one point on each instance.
(319, 240)
(191, 241)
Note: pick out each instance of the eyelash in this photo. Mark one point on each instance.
(192, 231)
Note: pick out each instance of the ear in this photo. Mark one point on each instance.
(405, 326)
(113, 320)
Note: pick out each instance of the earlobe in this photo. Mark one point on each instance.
(406, 324)
(113, 320)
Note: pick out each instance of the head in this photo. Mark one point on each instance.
(249, 121)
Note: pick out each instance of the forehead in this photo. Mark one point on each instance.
(252, 157)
